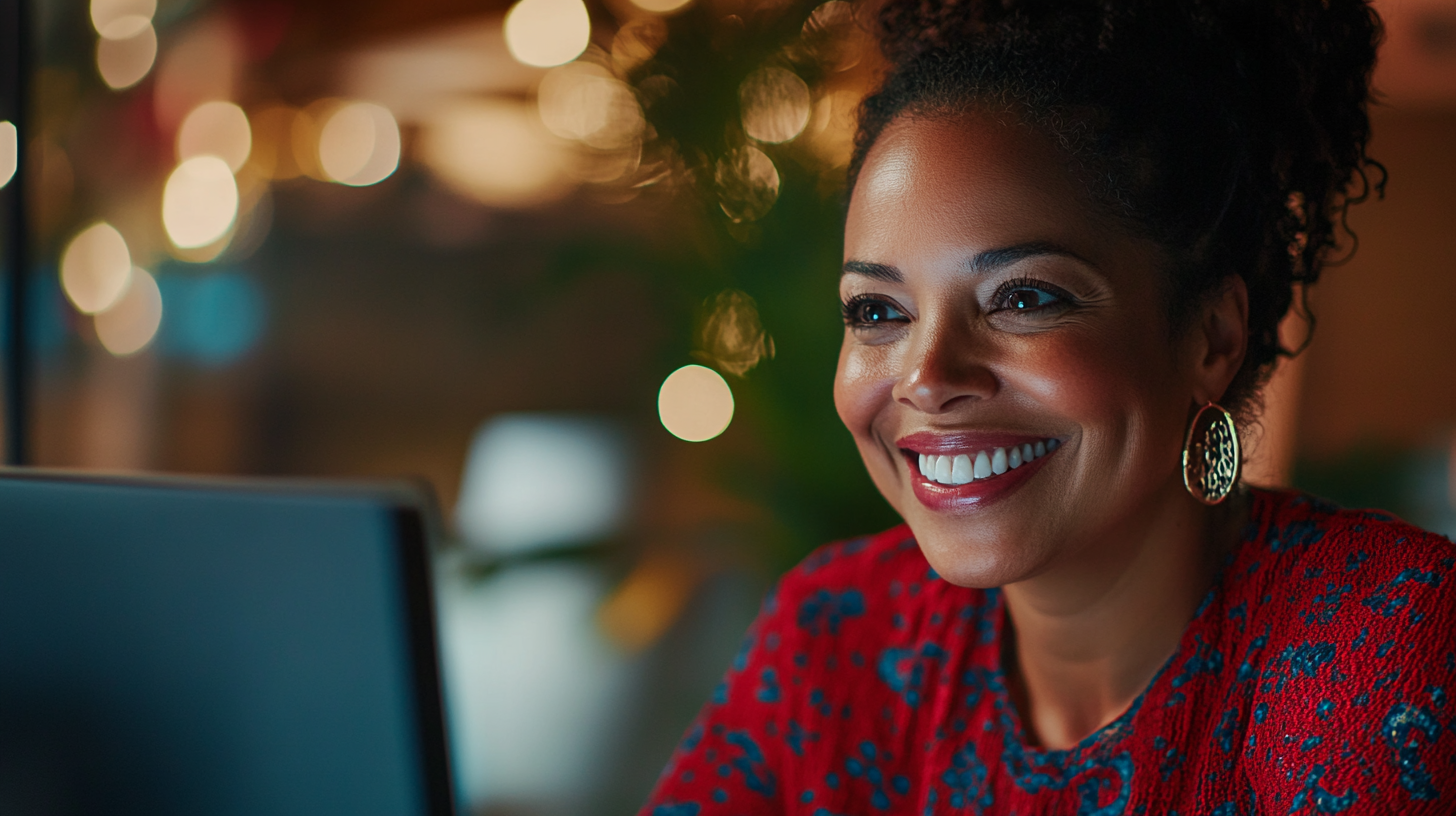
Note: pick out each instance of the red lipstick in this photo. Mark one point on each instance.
(988, 487)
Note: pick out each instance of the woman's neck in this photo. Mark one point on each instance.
(1086, 638)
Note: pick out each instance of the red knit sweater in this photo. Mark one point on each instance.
(1314, 678)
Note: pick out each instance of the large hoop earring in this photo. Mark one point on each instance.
(1211, 455)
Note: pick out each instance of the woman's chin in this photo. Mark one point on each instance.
(975, 561)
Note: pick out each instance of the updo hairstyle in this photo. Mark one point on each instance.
(1230, 132)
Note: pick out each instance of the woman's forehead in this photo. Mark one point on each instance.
(971, 181)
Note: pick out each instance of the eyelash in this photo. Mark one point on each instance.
(1063, 299)
(850, 308)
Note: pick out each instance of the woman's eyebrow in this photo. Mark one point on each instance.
(982, 263)
(993, 259)
(884, 272)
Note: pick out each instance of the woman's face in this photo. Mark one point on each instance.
(993, 316)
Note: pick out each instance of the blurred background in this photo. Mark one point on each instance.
(574, 266)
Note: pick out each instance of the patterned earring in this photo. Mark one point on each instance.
(1211, 456)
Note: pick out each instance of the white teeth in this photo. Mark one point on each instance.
(942, 469)
(964, 468)
(960, 471)
(998, 462)
(983, 465)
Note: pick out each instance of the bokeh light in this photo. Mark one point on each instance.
(695, 403)
(95, 268)
(732, 336)
(495, 151)
(9, 152)
(661, 6)
(359, 144)
(775, 104)
(120, 19)
(544, 33)
(584, 102)
(831, 131)
(199, 202)
(124, 62)
(131, 323)
(636, 42)
(748, 184)
(216, 129)
(832, 38)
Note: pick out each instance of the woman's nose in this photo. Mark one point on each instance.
(946, 369)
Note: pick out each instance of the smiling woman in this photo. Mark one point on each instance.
(1073, 230)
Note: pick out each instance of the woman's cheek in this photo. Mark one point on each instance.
(862, 386)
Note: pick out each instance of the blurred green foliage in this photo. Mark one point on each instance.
(808, 475)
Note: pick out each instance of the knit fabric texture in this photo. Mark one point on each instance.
(1314, 678)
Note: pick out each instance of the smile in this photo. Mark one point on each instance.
(964, 468)
(966, 471)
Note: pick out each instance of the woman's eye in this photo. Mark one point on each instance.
(1027, 299)
(870, 312)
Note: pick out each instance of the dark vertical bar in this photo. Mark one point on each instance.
(15, 51)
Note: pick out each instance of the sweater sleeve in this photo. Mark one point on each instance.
(1352, 714)
(729, 761)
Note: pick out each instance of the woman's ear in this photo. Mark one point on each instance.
(1221, 340)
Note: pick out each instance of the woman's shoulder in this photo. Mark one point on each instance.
(1295, 533)
(1318, 580)
(1352, 625)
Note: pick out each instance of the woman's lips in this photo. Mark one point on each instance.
(971, 469)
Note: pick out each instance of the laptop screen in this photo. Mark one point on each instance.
(175, 648)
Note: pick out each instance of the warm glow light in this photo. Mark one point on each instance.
(123, 63)
(832, 37)
(637, 41)
(95, 268)
(584, 102)
(200, 202)
(544, 33)
(775, 105)
(120, 19)
(660, 6)
(831, 133)
(695, 403)
(359, 144)
(748, 184)
(216, 129)
(129, 325)
(9, 152)
(496, 152)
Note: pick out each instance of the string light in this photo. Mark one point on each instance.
(132, 322)
(124, 62)
(9, 152)
(545, 33)
(695, 403)
(95, 268)
(216, 129)
(200, 202)
(359, 144)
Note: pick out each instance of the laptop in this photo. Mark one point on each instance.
(189, 647)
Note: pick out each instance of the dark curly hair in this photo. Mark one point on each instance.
(1231, 132)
